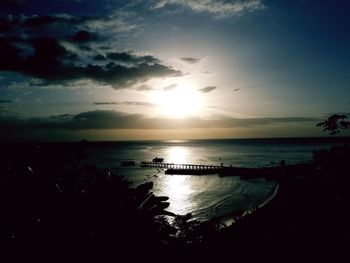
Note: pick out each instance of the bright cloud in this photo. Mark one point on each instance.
(218, 7)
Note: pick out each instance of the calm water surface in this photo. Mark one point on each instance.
(205, 196)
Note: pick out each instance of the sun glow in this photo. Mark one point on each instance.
(179, 102)
(177, 154)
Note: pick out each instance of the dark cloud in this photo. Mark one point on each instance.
(36, 46)
(170, 87)
(144, 88)
(41, 24)
(49, 60)
(3, 110)
(123, 76)
(207, 89)
(6, 101)
(130, 58)
(190, 60)
(236, 90)
(99, 58)
(85, 48)
(61, 117)
(133, 103)
(84, 36)
(9, 53)
(3, 106)
(109, 119)
(105, 120)
(46, 61)
(39, 21)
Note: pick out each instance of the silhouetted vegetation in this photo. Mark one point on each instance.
(334, 123)
(49, 202)
(307, 220)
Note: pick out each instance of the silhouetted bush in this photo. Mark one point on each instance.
(334, 123)
(50, 201)
(334, 161)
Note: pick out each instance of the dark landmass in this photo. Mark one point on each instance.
(54, 207)
(308, 220)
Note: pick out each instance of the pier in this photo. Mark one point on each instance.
(270, 173)
(180, 166)
(193, 169)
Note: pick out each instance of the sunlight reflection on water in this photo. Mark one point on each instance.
(179, 191)
(177, 154)
(179, 188)
(206, 196)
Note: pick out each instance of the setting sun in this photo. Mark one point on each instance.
(179, 102)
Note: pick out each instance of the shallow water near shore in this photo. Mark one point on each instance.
(206, 196)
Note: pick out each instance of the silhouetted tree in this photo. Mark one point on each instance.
(334, 123)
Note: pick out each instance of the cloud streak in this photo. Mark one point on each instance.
(170, 87)
(128, 103)
(110, 119)
(144, 87)
(5, 101)
(190, 60)
(130, 58)
(219, 8)
(207, 89)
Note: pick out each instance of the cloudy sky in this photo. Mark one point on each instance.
(171, 69)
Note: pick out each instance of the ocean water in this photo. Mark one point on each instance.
(206, 196)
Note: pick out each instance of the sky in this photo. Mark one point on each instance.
(171, 69)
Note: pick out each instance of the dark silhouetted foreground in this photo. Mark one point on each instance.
(54, 207)
(50, 204)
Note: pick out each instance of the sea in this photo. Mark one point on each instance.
(206, 197)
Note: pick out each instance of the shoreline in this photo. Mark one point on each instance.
(307, 217)
(229, 220)
(274, 194)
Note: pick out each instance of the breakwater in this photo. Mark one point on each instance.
(267, 172)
